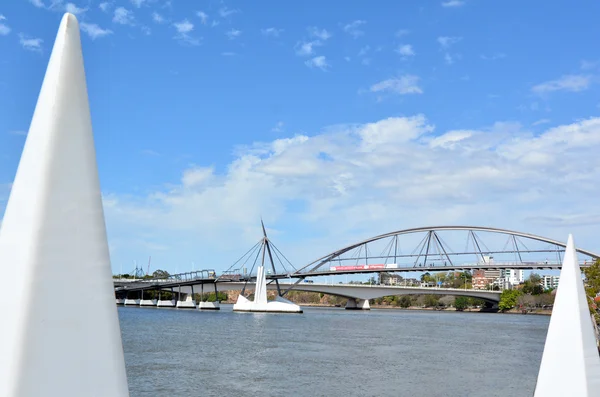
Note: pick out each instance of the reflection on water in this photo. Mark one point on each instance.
(330, 352)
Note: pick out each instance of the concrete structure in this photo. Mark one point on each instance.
(68, 343)
(570, 362)
(187, 303)
(260, 303)
(209, 306)
(163, 303)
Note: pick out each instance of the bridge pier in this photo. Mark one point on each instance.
(135, 301)
(188, 303)
(216, 305)
(358, 304)
(147, 302)
(163, 303)
(209, 305)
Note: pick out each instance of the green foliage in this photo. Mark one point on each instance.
(532, 285)
(431, 300)
(405, 301)
(592, 287)
(210, 297)
(425, 278)
(461, 303)
(508, 299)
(160, 274)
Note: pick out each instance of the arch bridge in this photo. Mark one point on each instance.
(439, 248)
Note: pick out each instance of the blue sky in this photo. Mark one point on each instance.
(333, 122)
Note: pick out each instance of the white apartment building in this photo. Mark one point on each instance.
(549, 282)
(511, 277)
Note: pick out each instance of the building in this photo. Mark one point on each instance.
(485, 279)
(511, 278)
(549, 282)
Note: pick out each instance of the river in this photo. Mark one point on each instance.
(330, 352)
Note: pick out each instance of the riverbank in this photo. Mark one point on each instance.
(542, 312)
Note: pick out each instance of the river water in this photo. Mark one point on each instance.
(330, 352)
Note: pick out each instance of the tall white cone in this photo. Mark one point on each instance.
(570, 363)
(60, 332)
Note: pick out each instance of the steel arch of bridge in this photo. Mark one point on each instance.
(432, 236)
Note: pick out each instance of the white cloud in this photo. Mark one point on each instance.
(320, 34)
(319, 62)
(572, 83)
(306, 48)
(73, 9)
(447, 41)
(228, 54)
(402, 32)
(541, 121)
(156, 17)
(405, 50)
(453, 3)
(407, 84)
(123, 16)
(272, 32)
(203, 17)
(137, 3)
(355, 181)
(278, 127)
(37, 3)
(31, 44)
(93, 30)
(233, 33)
(225, 12)
(4, 29)
(353, 28)
(451, 139)
(184, 28)
(105, 6)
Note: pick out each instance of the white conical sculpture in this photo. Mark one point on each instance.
(60, 332)
(570, 363)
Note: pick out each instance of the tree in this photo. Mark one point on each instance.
(160, 274)
(532, 285)
(431, 300)
(405, 301)
(461, 303)
(508, 299)
(592, 287)
(425, 278)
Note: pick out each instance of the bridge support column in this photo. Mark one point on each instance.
(163, 303)
(209, 305)
(188, 303)
(135, 301)
(358, 304)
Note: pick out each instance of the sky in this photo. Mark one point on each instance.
(332, 121)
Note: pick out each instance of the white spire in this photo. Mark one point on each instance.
(60, 330)
(570, 363)
(260, 292)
